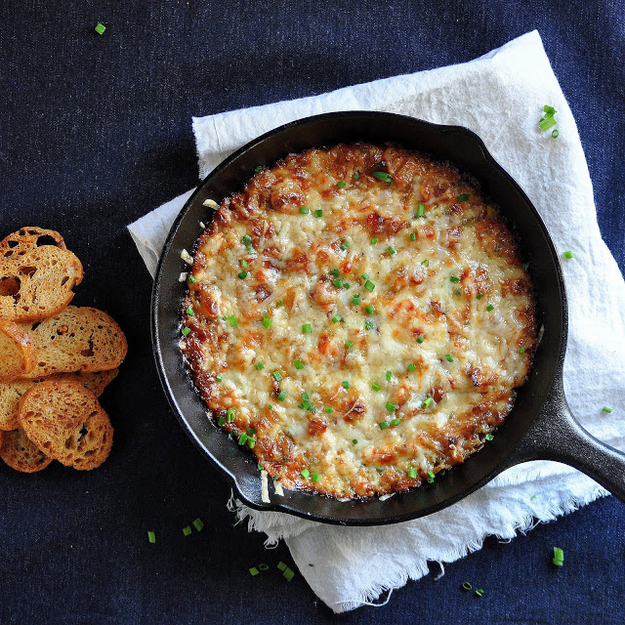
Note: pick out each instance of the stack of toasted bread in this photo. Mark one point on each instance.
(55, 359)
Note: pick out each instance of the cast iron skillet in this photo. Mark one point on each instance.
(539, 427)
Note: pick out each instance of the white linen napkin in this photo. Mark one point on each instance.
(500, 96)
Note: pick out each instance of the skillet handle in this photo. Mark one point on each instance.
(557, 435)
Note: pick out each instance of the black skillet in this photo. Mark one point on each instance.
(539, 427)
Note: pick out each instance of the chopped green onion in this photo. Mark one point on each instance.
(304, 210)
(522, 349)
(334, 272)
(246, 239)
(479, 592)
(607, 409)
(230, 414)
(221, 422)
(356, 175)
(490, 307)
(549, 110)
(413, 236)
(337, 318)
(558, 556)
(345, 384)
(548, 121)
(356, 299)
(431, 476)
(232, 320)
(369, 325)
(192, 278)
(269, 407)
(299, 364)
(568, 254)
(282, 566)
(466, 586)
(390, 250)
(258, 168)
(185, 331)
(254, 571)
(319, 213)
(344, 245)
(259, 365)
(355, 441)
(243, 439)
(315, 477)
(198, 524)
(463, 197)
(289, 574)
(454, 279)
(395, 421)
(427, 402)
(277, 376)
(449, 358)
(390, 406)
(263, 567)
(187, 530)
(411, 366)
(349, 344)
(369, 286)
(243, 275)
(329, 409)
(370, 309)
(151, 537)
(555, 133)
(282, 396)
(421, 210)
(388, 376)
(374, 240)
(412, 473)
(489, 437)
(420, 340)
(190, 312)
(307, 328)
(383, 176)
(305, 473)
(383, 425)
(376, 387)
(341, 184)
(278, 303)
(480, 295)
(251, 442)
(338, 283)
(218, 378)
(426, 262)
(267, 322)
(100, 28)
(305, 396)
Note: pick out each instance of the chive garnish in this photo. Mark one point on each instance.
(267, 322)
(390, 250)
(411, 366)
(558, 556)
(388, 376)
(413, 236)
(232, 320)
(395, 421)
(218, 378)
(190, 312)
(412, 473)
(568, 254)
(243, 275)
(522, 349)
(329, 409)
(277, 376)
(100, 28)
(198, 524)
(344, 245)
(449, 358)
(370, 309)
(430, 476)
(383, 176)
(383, 425)
(315, 477)
(338, 283)
(221, 422)
(555, 133)
(192, 278)
(607, 409)
(356, 175)
(467, 586)
(489, 437)
(421, 210)
(369, 286)
(319, 213)
(230, 414)
(337, 318)
(151, 537)
(341, 184)
(298, 364)
(253, 571)
(345, 384)
(480, 295)
(420, 340)
(187, 530)
(356, 299)
(305, 473)
(369, 325)
(304, 210)
(463, 197)
(349, 344)
(282, 396)
(307, 328)
(426, 262)
(427, 402)
(490, 307)
(374, 240)
(479, 592)
(185, 331)
(259, 365)
(454, 279)
(376, 387)
(390, 406)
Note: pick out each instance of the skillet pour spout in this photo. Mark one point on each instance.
(540, 425)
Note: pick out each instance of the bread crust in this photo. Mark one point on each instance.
(21, 454)
(67, 423)
(18, 354)
(27, 238)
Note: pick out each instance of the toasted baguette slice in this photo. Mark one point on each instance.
(66, 422)
(38, 284)
(27, 238)
(18, 355)
(19, 452)
(77, 339)
(11, 392)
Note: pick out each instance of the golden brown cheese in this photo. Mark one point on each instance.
(359, 318)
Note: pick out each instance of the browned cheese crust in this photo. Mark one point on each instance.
(359, 317)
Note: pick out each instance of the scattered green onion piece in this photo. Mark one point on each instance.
(278, 303)
(187, 531)
(427, 402)
(338, 283)
(390, 406)
(305, 396)
(449, 358)
(267, 322)
(281, 566)
(251, 431)
(341, 184)
(349, 344)
(388, 376)
(319, 213)
(221, 422)
(337, 318)
(232, 320)
(390, 250)
(549, 109)
(412, 473)
(251, 443)
(258, 168)
(480, 295)
(607, 409)
(344, 245)
(243, 439)
(198, 524)
(307, 328)
(334, 272)
(411, 366)
(254, 571)
(277, 376)
(263, 567)
(525, 266)
(243, 275)
(395, 421)
(315, 477)
(289, 574)
(466, 586)
(304, 210)
(426, 262)
(374, 240)
(369, 325)
(259, 365)
(463, 197)
(192, 278)
(555, 133)
(230, 414)
(370, 309)
(376, 387)
(547, 122)
(479, 592)
(383, 176)
(282, 396)
(329, 409)
(345, 384)
(430, 477)
(356, 299)
(558, 556)
(490, 307)
(383, 425)
(269, 407)
(151, 537)
(298, 364)
(218, 378)
(421, 210)
(185, 331)
(369, 286)
(356, 175)
(454, 279)
(413, 236)
(100, 28)
(568, 254)
(420, 340)
(190, 312)
(305, 473)
(244, 264)
(489, 437)
(246, 239)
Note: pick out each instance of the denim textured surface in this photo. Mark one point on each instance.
(96, 131)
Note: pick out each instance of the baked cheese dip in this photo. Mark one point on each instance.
(358, 318)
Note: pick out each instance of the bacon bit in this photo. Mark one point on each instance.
(286, 196)
(261, 293)
(262, 229)
(428, 232)
(208, 306)
(353, 411)
(437, 393)
(328, 348)
(482, 379)
(437, 309)
(380, 455)
(323, 293)
(401, 396)
(299, 261)
(454, 235)
(456, 209)
(515, 287)
(376, 224)
(316, 426)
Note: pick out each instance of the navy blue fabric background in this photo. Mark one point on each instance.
(95, 132)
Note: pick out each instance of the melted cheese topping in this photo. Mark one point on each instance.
(359, 319)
